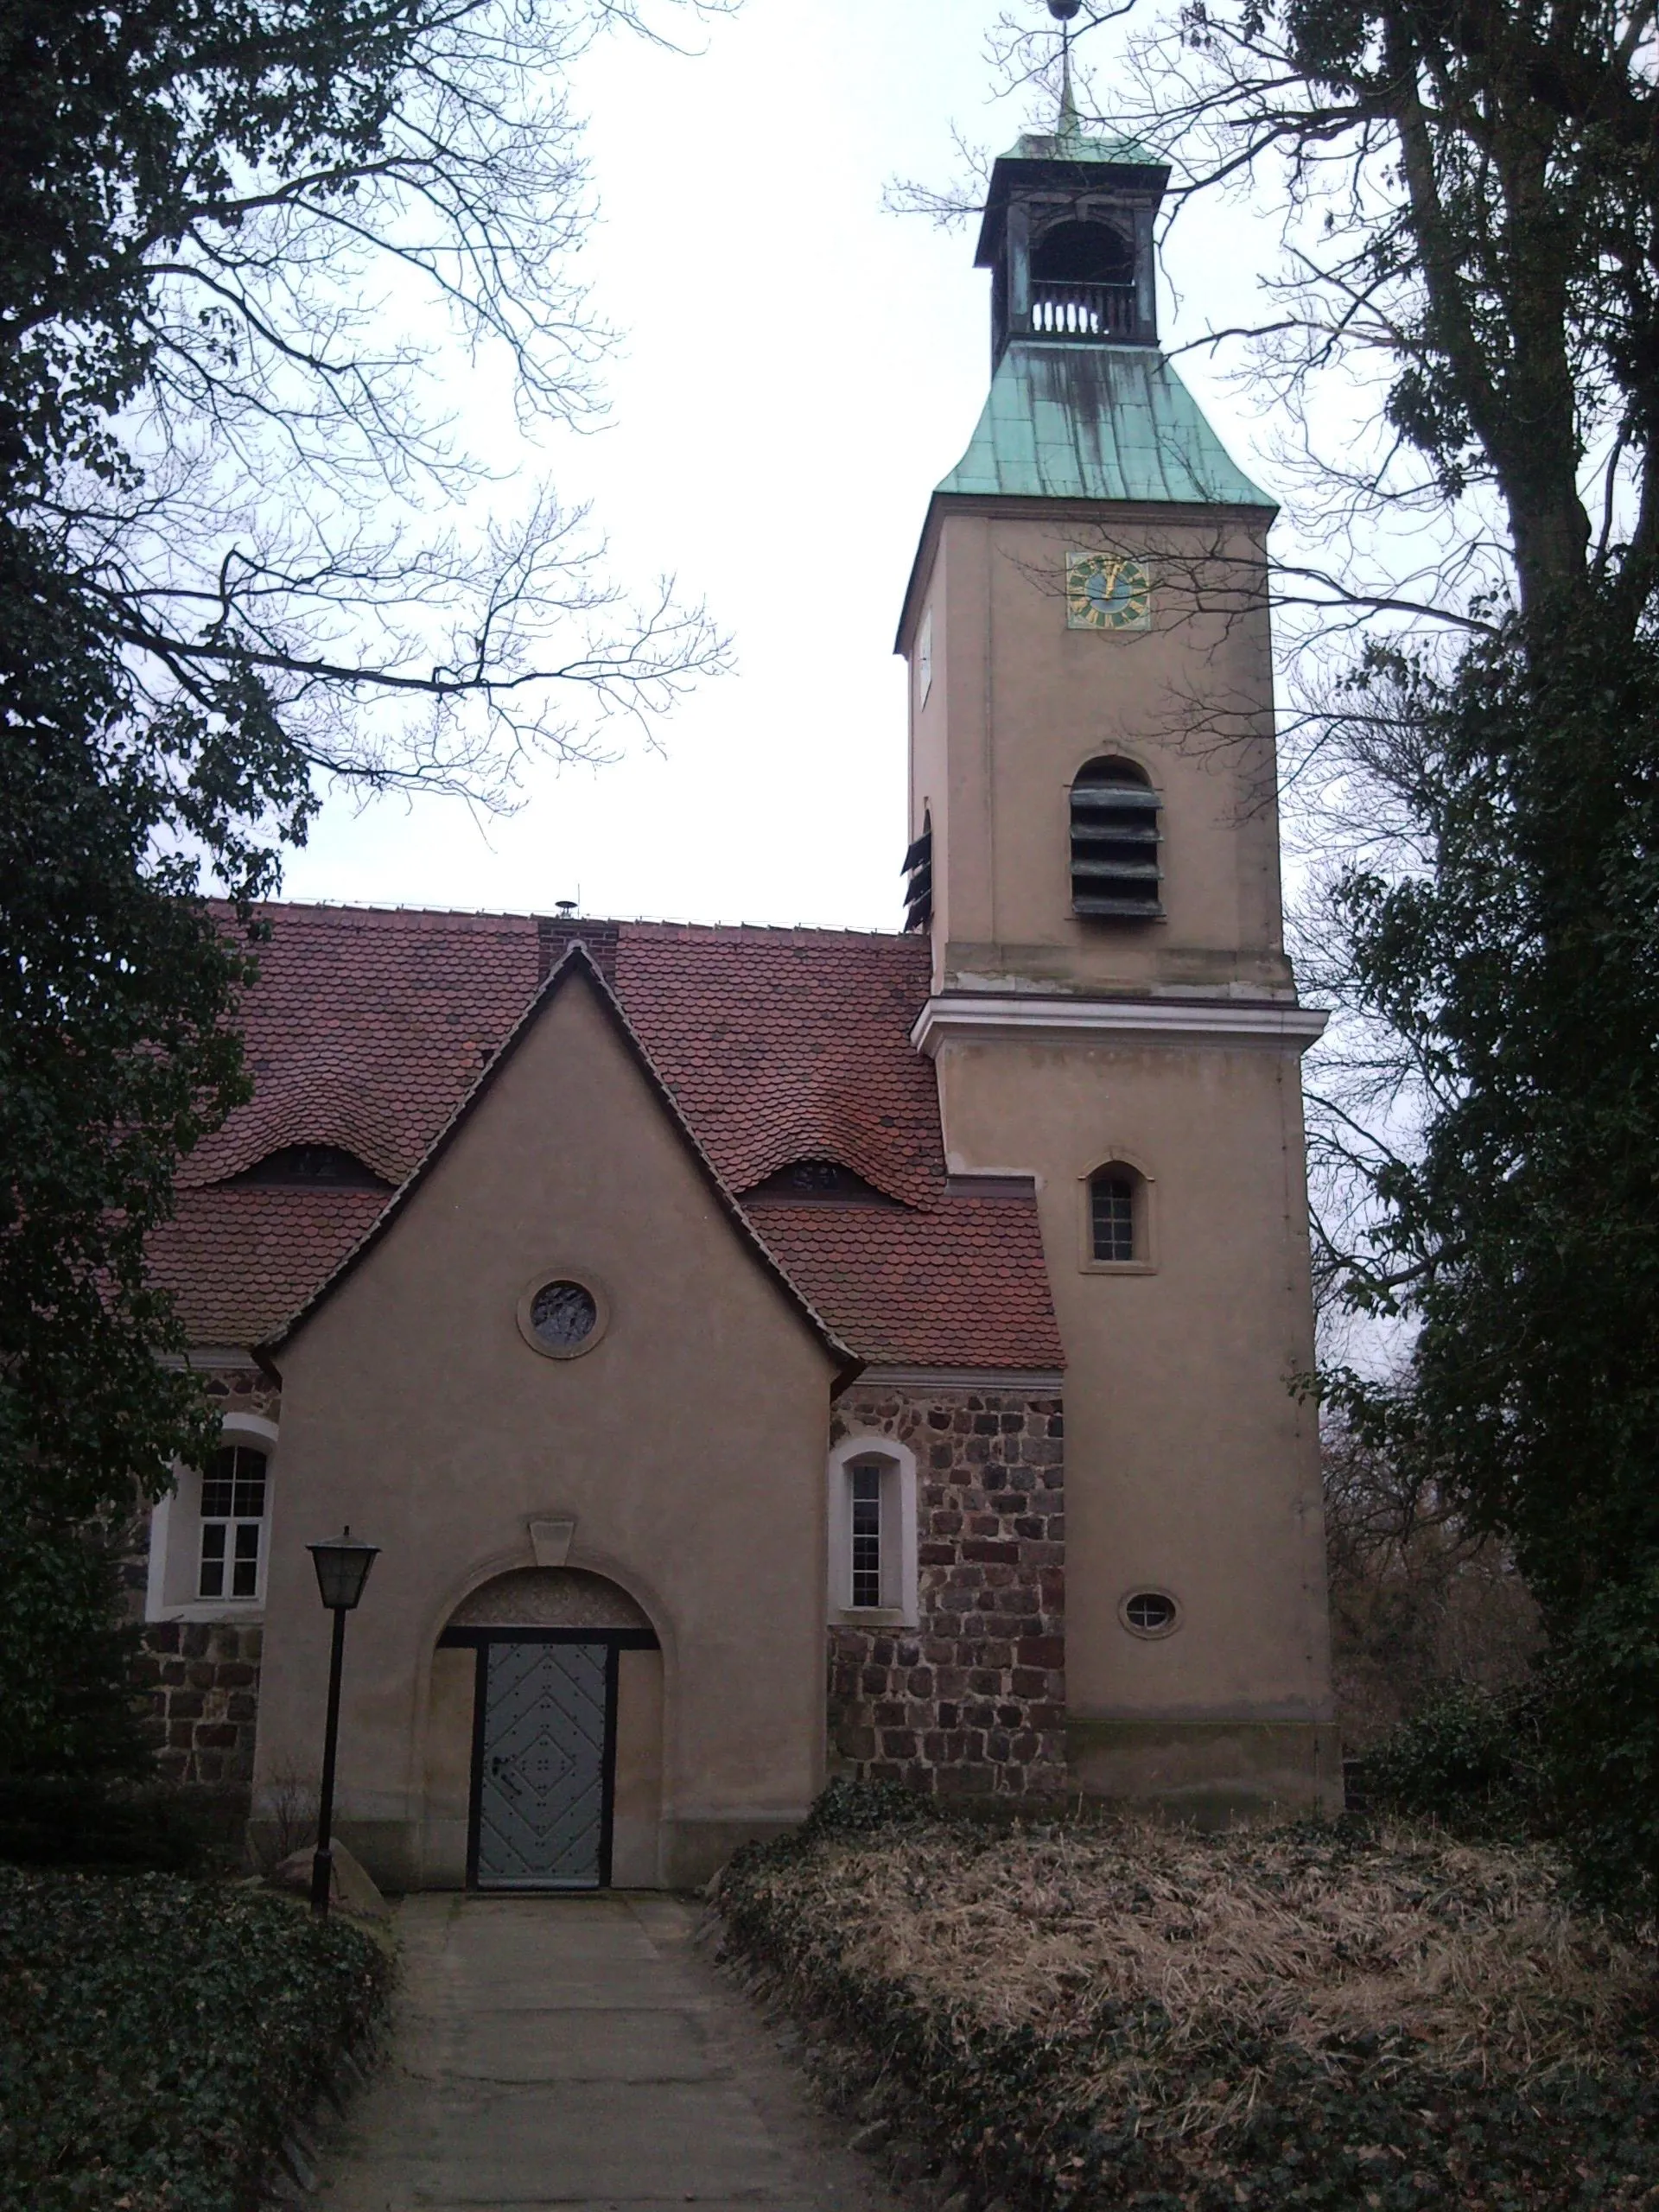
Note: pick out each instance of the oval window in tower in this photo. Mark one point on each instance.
(1149, 1613)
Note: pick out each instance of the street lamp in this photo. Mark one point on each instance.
(342, 1565)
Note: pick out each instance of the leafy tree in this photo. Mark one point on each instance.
(240, 555)
(1522, 1234)
(1462, 336)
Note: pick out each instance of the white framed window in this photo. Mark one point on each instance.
(209, 1538)
(232, 1517)
(873, 1532)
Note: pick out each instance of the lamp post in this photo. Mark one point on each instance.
(342, 1565)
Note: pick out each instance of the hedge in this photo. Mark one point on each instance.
(159, 2037)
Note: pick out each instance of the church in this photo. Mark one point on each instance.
(766, 1353)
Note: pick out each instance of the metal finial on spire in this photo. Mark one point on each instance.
(1071, 123)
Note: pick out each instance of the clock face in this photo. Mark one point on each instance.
(1107, 591)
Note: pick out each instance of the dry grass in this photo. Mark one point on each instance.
(1290, 1935)
(1134, 2016)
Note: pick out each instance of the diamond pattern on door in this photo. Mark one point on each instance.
(542, 1791)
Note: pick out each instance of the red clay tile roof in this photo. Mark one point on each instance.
(786, 1044)
(962, 1285)
(241, 1259)
(368, 1028)
(577, 969)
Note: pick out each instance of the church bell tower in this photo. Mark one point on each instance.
(1094, 859)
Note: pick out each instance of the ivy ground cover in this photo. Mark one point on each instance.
(1144, 2020)
(158, 2037)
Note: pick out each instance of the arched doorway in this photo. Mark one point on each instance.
(553, 1698)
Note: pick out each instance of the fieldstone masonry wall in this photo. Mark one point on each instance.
(201, 1678)
(972, 1702)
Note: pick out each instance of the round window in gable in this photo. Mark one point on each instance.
(562, 1316)
(1149, 1613)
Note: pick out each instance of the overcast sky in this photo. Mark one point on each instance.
(798, 369)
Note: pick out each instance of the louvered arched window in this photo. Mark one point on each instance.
(1115, 841)
(917, 872)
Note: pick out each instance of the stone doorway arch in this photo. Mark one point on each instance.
(548, 1597)
(547, 1723)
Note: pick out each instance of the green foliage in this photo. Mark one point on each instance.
(158, 2037)
(1604, 1740)
(209, 578)
(848, 1807)
(1174, 2105)
(107, 1827)
(116, 981)
(125, 129)
(63, 1630)
(1468, 1759)
(1523, 971)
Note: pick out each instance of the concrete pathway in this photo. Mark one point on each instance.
(580, 2052)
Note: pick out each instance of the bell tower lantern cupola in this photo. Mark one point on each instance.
(1086, 624)
(1068, 238)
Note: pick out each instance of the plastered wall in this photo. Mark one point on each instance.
(687, 1447)
(1191, 1467)
(1191, 1463)
(1018, 702)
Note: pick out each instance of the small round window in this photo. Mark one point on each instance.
(562, 1316)
(1149, 1612)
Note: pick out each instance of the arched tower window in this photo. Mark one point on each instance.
(1111, 1213)
(1114, 842)
(1118, 1231)
(1083, 282)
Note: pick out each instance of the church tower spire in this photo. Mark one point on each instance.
(1094, 860)
(1071, 123)
(1123, 571)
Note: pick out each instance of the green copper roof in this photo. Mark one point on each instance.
(1070, 143)
(1096, 422)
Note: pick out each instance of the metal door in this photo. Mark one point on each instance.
(543, 1813)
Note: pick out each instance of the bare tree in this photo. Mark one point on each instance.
(251, 473)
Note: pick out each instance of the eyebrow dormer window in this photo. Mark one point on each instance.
(312, 1167)
(1115, 840)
